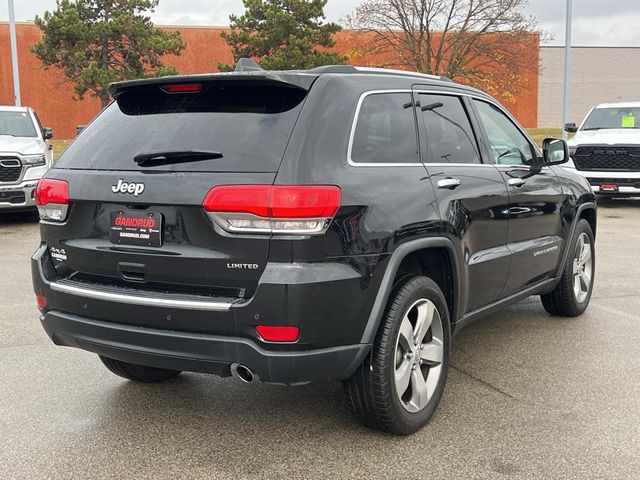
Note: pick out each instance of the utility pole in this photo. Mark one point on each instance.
(567, 61)
(14, 54)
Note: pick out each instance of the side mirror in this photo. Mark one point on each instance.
(570, 127)
(79, 129)
(47, 133)
(554, 151)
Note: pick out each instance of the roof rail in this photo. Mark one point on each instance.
(391, 71)
(335, 69)
(248, 65)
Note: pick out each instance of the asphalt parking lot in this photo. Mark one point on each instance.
(529, 396)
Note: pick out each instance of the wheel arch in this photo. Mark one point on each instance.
(590, 215)
(416, 257)
(588, 211)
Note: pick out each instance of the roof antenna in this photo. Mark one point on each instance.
(248, 65)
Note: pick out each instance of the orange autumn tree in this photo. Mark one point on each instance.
(483, 43)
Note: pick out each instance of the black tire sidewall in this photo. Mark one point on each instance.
(413, 289)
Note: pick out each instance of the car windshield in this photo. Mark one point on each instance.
(16, 124)
(610, 118)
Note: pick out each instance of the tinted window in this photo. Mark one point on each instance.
(386, 130)
(508, 145)
(449, 133)
(249, 125)
(16, 124)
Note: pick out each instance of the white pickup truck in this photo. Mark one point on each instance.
(25, 156)
(606, 149)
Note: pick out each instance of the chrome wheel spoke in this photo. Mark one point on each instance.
(579, 246)
(585, 281)
(585, 254)
(431, 353)
(405, 339)
(403, 376)
(419, 390)
(576, 284)
(432, 380)
(426, 311)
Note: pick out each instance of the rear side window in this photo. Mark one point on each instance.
(248, 124)
(449, 133)
(385, 130)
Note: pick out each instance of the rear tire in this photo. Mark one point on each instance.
(138, 373)
(571, 296)
(399, 385)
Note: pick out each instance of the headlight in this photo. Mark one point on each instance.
(34, 160)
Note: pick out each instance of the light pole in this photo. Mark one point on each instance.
(567, 61)
(14, 54)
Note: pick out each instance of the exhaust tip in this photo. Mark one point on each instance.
(243, 373)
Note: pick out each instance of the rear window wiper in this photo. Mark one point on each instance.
(168, 158)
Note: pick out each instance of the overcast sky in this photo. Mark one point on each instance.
(596, 22)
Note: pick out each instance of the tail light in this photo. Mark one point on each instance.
(279, 209)
(52, 199)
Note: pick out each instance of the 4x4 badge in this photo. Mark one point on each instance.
(125, 187)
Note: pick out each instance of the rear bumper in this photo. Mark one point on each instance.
(18, 197)
(329, 303)
(200, 352)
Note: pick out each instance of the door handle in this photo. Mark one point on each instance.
(449, 183)
(516, 182)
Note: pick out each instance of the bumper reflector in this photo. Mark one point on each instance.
(278, 333)
(42, 302)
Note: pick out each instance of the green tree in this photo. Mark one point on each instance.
(96, 42)
(283, 34)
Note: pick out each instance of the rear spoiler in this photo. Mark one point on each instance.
(293, 79)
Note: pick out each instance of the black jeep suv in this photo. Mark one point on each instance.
(337, 223)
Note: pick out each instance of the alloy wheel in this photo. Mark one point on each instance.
(582, 268)
(419, 355)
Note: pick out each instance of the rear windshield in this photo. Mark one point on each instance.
(248, 125)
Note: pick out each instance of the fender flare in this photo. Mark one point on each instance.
(576, 218)
(398, 255)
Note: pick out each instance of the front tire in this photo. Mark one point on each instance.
(138, 373)
(571, 296)
(399, 385)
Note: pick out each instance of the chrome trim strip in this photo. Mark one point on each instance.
(441, 164)
(432, 92)
(140, 300)
(7, 163)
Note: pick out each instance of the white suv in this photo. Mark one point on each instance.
(606, 149)
(25, 156)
